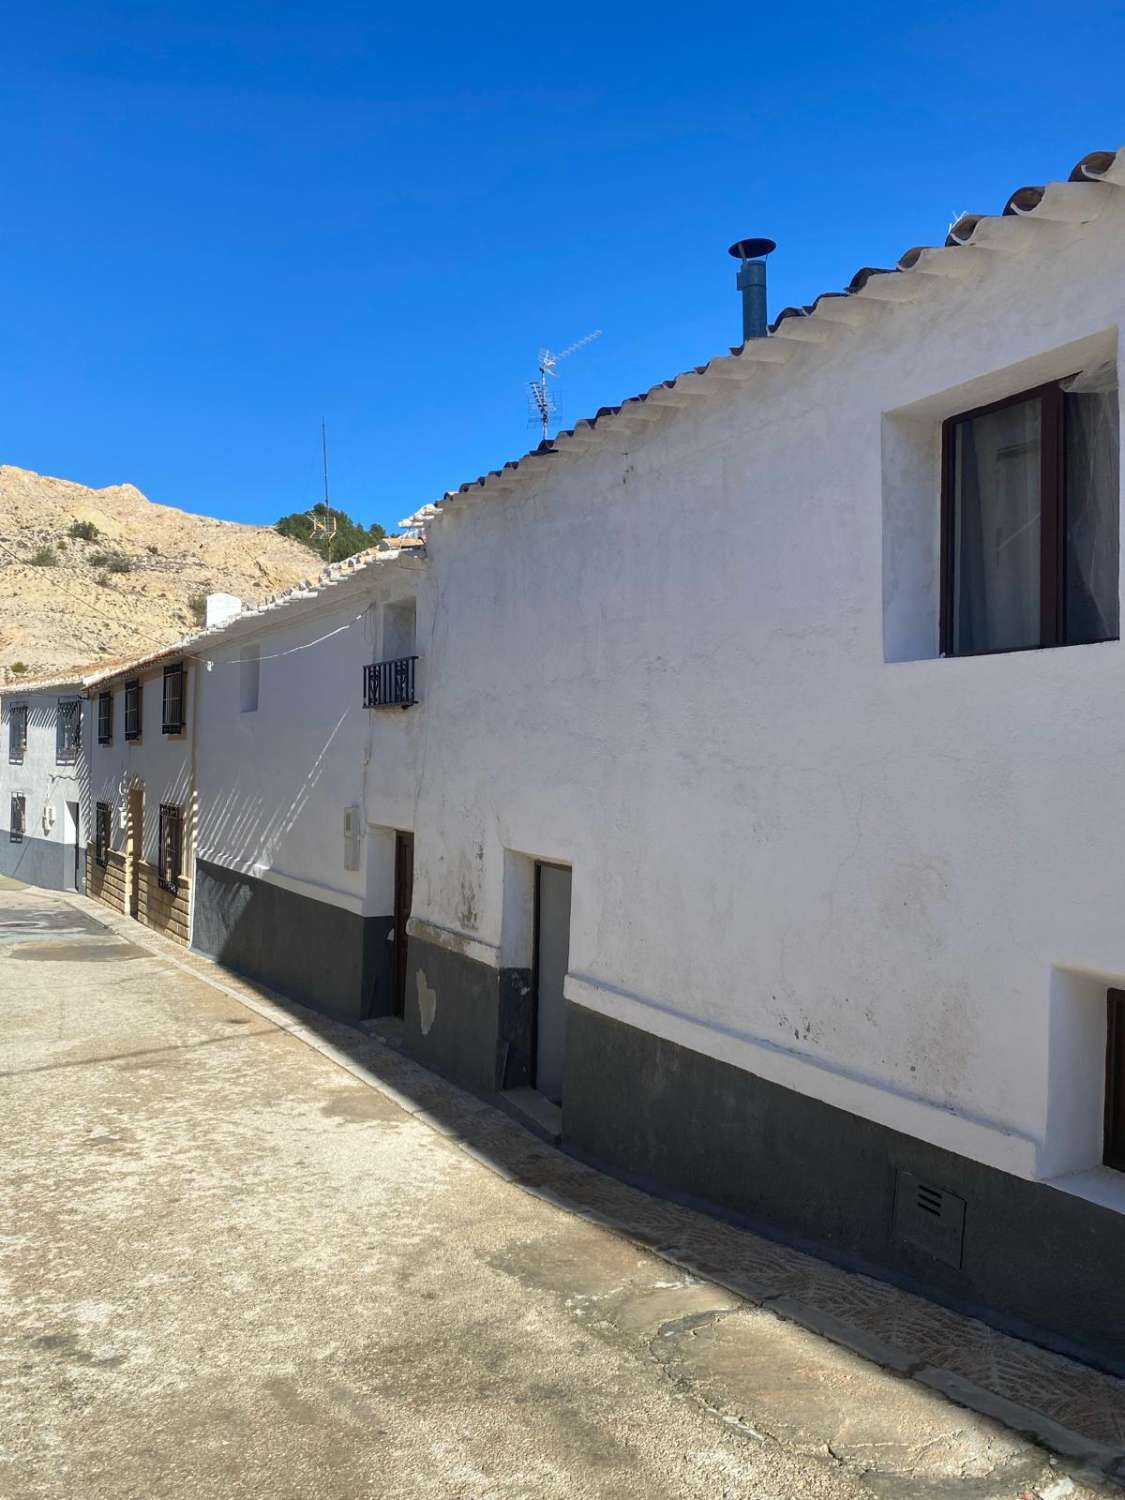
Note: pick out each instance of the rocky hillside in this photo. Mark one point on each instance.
(90, 573)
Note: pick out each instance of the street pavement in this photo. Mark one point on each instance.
(248, 1253)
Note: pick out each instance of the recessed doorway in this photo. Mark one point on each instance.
(550, 965)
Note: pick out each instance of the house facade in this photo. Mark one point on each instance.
(142, 789)
(44, 788)
(313, 713)
(781, 861)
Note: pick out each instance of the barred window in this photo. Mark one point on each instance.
(171, 824)
(133, 709)
(18, 819)
(17, 732)
(173, 715)
(68, 731)
(105, 718)
(101, 835)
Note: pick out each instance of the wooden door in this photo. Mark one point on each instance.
(552, 960)
(134, 846)
(1114, 1154)
(404, 894)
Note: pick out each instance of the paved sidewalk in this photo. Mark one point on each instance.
(414, 1295)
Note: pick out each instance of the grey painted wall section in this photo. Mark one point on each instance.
(1037, 1261)
(320, 955)
(467, 1020)
(43, 862)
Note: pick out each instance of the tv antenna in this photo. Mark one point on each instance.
(541, 399)
(325, 523)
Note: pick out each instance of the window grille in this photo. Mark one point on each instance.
(68, 731)
(171, 826)
(389, 684)
(17, 732)
(133, 709)
(18, 819)
(172, 718)
(101, 835)
(105, 718)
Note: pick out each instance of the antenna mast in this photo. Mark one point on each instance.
(327, 522)
(541, 398)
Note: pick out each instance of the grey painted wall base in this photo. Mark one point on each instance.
(467, 1020)
(1038, 1262)
(44, 862)
(320, 955)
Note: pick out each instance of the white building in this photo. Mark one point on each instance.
(306, 794)
(774, 857)
(44, 793)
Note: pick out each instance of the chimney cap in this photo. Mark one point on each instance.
(751, 249)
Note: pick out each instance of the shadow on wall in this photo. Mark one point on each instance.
(247, 829)
(317, 954)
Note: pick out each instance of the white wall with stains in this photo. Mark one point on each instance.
(697, 660)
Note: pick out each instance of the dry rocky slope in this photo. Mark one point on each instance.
(128, 590)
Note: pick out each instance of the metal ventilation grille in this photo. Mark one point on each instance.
(929, 1218)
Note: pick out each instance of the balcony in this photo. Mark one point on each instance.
(389, 684)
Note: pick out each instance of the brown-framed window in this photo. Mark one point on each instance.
(17, 732)
(105, 718)
(1030, 505)
(68, 731)
(172, 714)
(171, 828)
(133, 709)
(101, 834)
(18, 820)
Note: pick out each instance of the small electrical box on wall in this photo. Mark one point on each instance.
(351, 838)
(48, 818)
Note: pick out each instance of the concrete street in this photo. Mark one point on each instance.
(231, 1266)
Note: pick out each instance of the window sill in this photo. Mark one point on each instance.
(1101, 1185)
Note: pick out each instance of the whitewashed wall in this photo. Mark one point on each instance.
(669, 662)
(275, 783)
(46, 785)
(159, 763)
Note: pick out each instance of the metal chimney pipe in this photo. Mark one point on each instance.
(751, 282)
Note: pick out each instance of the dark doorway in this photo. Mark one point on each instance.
(74, 840)
(552, 959)
(404, 891)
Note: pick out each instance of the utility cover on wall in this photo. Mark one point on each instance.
(930, 1218)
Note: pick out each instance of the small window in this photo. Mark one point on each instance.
(133, 709)
(170, 827)
(105, 718)
(68, 731)
(399, 629)
(18, 819)
(17, 732)
(172, 717)
(101, 835)
(249, 676)
(1030, 502)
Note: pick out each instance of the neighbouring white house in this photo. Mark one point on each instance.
(773, 839)
(44, 790)
(312, 715)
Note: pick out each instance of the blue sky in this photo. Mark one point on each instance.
(222, 222)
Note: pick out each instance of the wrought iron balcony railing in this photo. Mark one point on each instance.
(389, 684)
